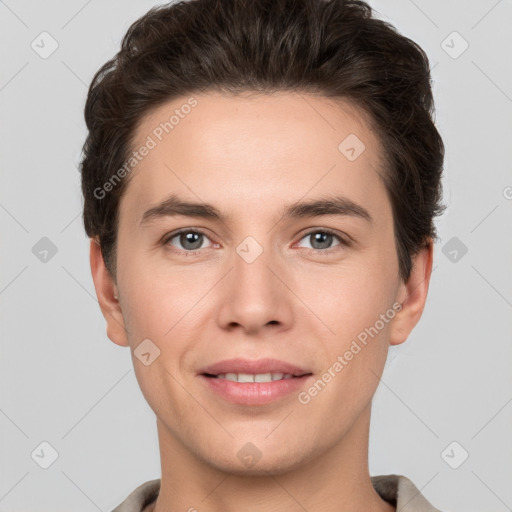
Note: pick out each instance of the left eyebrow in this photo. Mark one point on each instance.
(331, 205)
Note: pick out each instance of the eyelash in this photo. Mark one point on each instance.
(344, 241)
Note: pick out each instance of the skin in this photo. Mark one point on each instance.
(249, 155)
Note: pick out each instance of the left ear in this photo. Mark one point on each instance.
(412, 295)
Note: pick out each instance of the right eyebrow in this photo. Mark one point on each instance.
(173, 205)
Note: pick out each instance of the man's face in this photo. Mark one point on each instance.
(258, 284)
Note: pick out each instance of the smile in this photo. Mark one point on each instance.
(254, 389)
(249, 377)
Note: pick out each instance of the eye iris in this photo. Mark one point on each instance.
(325, 240)
(192, 238)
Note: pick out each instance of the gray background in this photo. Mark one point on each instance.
(64, 383)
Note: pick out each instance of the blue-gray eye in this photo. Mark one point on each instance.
(321, 240)
(189, 240)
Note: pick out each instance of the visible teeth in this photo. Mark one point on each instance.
(244, 377)
(259, 377)
(265, 377)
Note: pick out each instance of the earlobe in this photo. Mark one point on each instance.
(106, 292)
(413, 295)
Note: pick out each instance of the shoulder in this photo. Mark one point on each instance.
(401, 492)
(396, 489)
(140, 497)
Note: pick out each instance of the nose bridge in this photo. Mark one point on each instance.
(252, 259)
(254, 296)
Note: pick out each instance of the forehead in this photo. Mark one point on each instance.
(213, 116)
(254, 148)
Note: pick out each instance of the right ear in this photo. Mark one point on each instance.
(106, 291)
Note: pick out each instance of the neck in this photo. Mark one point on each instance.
(333, 480)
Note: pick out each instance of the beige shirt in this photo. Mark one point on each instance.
(396, 489)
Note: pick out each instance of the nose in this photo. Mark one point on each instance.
(256, 296)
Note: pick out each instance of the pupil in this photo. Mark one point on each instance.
(191, 238)
(324, 239)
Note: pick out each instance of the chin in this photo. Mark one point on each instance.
(270, 466)
(247, 459)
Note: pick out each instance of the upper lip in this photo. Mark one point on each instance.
(240, 365)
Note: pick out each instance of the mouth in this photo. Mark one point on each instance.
(257, 377)
(254, 389)
(254, 383)
(247, 370)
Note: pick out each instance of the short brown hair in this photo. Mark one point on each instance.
(333, 48)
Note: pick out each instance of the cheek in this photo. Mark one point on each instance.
(350, 298)
(356, 353)
(355, 348)
(156, 297)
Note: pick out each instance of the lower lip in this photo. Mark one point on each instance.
(254, 393)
